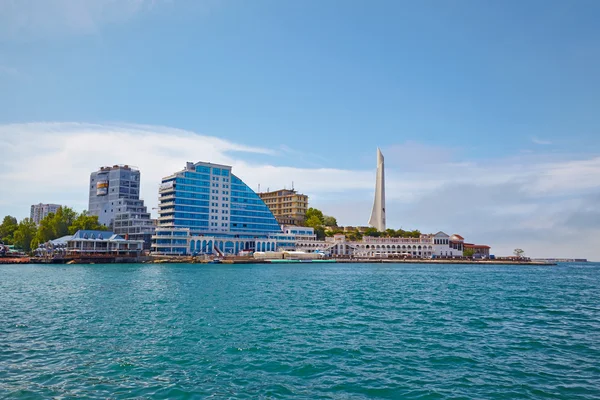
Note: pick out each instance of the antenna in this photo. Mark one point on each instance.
(292, 185)
(259, 188)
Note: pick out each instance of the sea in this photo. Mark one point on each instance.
(300, 331)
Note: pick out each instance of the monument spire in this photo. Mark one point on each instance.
(377, 219)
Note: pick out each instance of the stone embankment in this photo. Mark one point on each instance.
(15, 260)
(251, 260)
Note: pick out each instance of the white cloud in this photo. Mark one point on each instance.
(9, 71)
(51, 162)
(540, 141)
(34, 18)
(507, 203)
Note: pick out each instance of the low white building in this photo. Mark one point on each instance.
(178, 241)
(426, 246)
(88, 242)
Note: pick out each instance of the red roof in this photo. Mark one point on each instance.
(476, 246)
(458, 236)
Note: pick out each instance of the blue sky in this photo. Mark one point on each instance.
(462, 96)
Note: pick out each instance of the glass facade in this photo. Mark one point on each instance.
(248, 211)
(209, 200)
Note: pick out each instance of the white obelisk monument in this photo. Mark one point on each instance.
(377, 219)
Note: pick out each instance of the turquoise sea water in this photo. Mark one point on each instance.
(340, 331)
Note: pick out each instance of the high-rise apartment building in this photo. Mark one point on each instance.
(208, 202)
(40, 211)
(288, 206)
(115, 199)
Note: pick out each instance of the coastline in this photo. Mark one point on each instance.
(247, 260)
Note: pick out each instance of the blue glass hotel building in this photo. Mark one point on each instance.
(206, 209)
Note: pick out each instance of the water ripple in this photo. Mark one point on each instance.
(300, 331)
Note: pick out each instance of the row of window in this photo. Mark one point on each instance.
(253, 227)
(191, 202)
(192, 189)
(257, 202)
(224, 186)
(249, 207)
(195, 175)
(243, 192)
(171, 241)
(203, 210)
(190, 222)
(251, 214)
(194, 182)
(188, 195)
(219, 171)
(217, 224)
(171, 233)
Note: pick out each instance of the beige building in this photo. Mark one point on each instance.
(288, 206)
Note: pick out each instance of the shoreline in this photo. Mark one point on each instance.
(192, 260)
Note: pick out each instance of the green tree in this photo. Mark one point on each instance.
(320, 232)
(329, 221)
(313, 222)
(7, 229)
(468, 253)
(86, 222)
(55, 225)
(63, 219)
(372, 232)
(24, 234)
(313, 212)
(519, 252)
(401, 233)
(355, 236)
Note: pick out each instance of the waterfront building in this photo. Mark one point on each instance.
(377, 219)
(426, 246)
(114, 196)
(40, 211)
(288, 206)
(479, 250)
(90, 243)
(205, 208)
(300, 232)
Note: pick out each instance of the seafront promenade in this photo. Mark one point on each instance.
(251, 260)
(186, 260)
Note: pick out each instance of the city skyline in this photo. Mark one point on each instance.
(486, 112)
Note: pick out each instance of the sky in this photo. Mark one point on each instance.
(486, 112)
